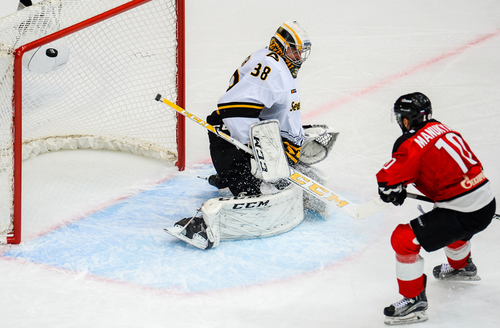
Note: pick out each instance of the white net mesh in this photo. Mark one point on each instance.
(103, 96)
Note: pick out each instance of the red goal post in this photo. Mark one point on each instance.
(119, 55)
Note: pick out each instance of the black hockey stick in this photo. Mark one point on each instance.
(427, 199)
(419, 197)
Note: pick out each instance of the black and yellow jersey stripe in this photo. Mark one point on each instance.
(239, 109)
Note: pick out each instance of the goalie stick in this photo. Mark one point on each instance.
(307, 184)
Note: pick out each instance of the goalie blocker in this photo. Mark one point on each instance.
(269, 162)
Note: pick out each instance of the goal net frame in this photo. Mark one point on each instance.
(14, 236)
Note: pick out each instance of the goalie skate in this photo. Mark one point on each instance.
(191, 231)
(197, 240)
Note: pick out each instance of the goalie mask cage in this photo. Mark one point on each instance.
(121, 54)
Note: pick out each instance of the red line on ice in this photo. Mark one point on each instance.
(400, 75)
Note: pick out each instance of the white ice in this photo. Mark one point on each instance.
(325, 273)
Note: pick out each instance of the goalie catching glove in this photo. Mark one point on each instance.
(393, 194)
(319, 140)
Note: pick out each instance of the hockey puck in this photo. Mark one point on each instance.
(51, 52)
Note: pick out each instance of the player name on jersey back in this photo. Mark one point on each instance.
(430, 133)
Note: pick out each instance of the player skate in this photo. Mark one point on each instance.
(408, 310)
(446, 272)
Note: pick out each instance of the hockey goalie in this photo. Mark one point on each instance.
(261, 109)
(277, 207)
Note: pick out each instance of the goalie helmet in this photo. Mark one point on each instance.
(46, 58)
(415, 107)
(293, 44)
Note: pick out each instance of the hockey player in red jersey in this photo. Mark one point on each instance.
(441, 165)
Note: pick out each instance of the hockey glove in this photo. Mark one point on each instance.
(292, 152)
(319, 140)
(216, 181)
(393, 194)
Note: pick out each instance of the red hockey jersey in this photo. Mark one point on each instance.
(437, 160)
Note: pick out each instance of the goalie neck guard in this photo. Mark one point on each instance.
(293, 44)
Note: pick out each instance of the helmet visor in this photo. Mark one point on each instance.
(396, 117)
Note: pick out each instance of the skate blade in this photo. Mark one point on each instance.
(196, 241)
(461, 278)
(418, 316)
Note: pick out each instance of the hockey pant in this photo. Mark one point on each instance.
(232, 164)
(410, 265)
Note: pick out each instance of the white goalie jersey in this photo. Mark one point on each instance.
(262, 89)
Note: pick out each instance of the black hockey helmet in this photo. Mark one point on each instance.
(416, 107)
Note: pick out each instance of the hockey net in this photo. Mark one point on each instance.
(121, 54)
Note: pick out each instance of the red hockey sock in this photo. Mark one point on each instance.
(409, 264)
(411, 288)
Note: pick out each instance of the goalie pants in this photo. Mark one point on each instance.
(232, 164)
(439, 228)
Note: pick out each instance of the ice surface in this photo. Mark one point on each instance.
(111, 264)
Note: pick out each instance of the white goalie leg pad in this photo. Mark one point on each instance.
(247, 217)
(269, 162)
(319, 140)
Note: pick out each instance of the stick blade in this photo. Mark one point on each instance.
(371, 208)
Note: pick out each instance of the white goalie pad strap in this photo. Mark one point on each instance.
(409, 270)
(247, 217)
(457, 254)
(319, 140)
(269, 163)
